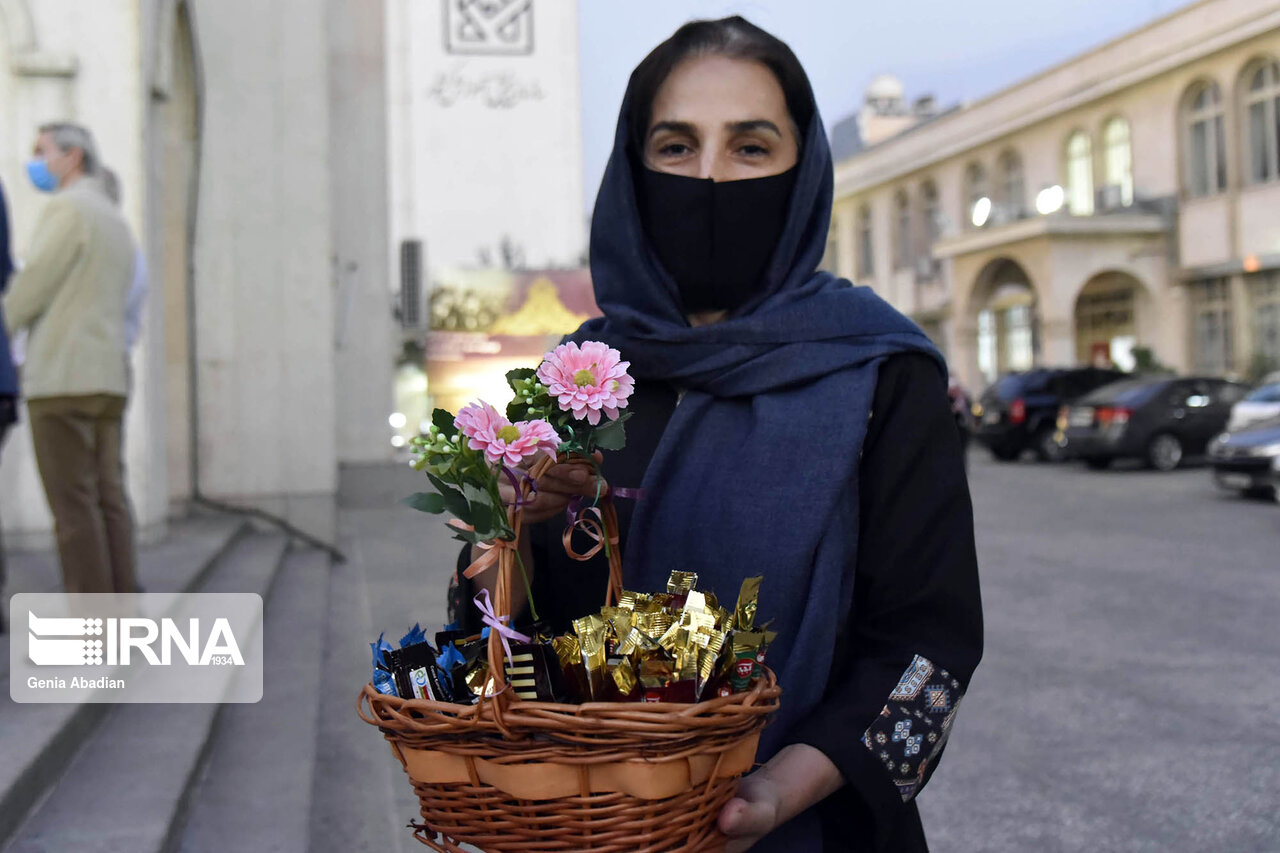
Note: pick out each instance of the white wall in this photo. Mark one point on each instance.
(264, 287)
(365, 332)
(484, 145)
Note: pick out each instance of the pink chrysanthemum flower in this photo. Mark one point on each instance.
(587, 380)
(502, 441)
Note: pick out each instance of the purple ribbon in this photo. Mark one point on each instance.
(575, 510)
(512, 474)
(498, 623)
(627, 493)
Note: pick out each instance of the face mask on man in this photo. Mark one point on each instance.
(714, 239)
(41, 176)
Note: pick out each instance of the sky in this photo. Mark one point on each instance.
(957, 51)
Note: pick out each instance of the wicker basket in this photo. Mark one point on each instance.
(613, 777)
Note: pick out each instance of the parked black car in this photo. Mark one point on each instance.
(1020, 410)
(1158, 419)
(1248, 460)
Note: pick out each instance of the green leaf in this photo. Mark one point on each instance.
(443, 419)
(476, 494)
(517, 410)
(611, 436)
(467, 536)
(454, 501)
(520, 374)
(425, 502)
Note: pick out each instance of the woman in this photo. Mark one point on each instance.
(785, 424)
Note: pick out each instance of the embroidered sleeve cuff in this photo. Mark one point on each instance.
(913, 727)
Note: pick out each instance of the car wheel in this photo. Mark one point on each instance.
(1260, 493)
(1164, 452)
(1005, 454)
(1047, 447)
(1098, 463)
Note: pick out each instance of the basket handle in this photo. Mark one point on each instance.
(605, 532)
(506, 575)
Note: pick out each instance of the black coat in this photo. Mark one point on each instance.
(915, 591)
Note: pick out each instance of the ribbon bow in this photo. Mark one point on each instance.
(490, 550)
(590, 521)
(498, 623)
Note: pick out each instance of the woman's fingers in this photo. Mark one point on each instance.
(544, 505)
(557, 486)
(571, 478)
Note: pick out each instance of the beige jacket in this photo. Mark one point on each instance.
(71, 293)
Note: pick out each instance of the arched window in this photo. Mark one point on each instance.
(1012, 194)
(1118, 158)
(930, 220)
(1262, 123)
(931, 215)
(1206, 157)
(901, 230)
(866, 252)
(975, 183)
(1080, 174)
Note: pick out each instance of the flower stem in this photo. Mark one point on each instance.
(528, 590)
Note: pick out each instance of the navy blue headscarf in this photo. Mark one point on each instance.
(757, 471)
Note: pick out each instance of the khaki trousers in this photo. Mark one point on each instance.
(78, 451)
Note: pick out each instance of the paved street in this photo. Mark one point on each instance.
(1128, 700)
(1130, 693)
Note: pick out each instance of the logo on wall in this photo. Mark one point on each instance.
(492, 27)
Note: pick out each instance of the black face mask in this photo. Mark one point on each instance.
(715, 239)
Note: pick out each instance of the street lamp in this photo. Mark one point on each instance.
(1050, 200)
(981, 212)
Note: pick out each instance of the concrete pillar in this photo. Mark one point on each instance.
(1242, 343)
(364, 335)
(963, 355)
(1057, 341)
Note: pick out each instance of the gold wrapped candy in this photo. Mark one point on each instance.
(591, 639)
(624, 677)
(637, 642)
(744, 617)
(681, 582)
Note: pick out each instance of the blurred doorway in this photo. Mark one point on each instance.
(1008, 319)
(1106, 320)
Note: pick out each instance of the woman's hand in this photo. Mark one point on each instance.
(561, 483)
(751, 814)
(793, 780)
(558, 485)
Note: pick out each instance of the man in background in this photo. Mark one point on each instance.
(137, 298)
(71, 294)
(8, 375)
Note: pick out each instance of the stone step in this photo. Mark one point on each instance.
(128, 788)
(361, 798)
(38, 741)
(255, 789)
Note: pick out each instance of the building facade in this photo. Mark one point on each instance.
(1127, 200)
(485, 136)
(297, 173)
(250, 141)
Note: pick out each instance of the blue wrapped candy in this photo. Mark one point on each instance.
(383, 680)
